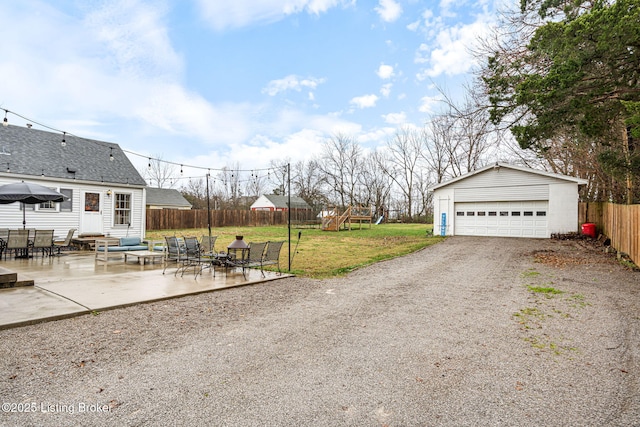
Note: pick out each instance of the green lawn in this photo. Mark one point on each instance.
(325, 253)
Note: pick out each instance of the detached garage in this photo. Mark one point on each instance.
(507, 201)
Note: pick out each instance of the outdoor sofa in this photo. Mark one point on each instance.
(125, 244)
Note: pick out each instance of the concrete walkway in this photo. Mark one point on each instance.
(75, 284)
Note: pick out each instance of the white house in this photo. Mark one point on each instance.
(506, 200)
(106, 192)
(274, 202)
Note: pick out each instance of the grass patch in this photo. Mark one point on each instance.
(323, 254)
(549, 291)
(530, 273)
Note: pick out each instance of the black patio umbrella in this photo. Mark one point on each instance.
(28, 193)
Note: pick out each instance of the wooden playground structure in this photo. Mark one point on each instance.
(335, 220)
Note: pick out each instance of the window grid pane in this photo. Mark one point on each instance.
(122, 214)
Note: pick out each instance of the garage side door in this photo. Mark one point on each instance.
(504, 219)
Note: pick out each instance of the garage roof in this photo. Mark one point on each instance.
(499, 165)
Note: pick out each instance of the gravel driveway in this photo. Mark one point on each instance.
(472, 331)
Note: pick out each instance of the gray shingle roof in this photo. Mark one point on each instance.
(36, 152)
(282, 201)
(166, 197)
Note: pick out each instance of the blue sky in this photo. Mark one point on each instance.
(212, 83)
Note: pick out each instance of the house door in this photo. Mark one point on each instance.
(91, 222)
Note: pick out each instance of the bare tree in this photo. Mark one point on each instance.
(376, 184)
(229, 178)
(278, 175)
(308, 182)
(435, 151)
(403, 153)
(255, 183)
(195, 192)
(341, 163)
(159, 172)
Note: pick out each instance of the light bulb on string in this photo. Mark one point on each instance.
(64, 141)
(181, 170)
(149, 163)
(5, 122)
(111, 155)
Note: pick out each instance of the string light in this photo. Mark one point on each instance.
(111, 156)
(8, 168)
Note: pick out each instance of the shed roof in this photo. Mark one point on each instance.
(166, 197)
(28, 151)
(498, 165)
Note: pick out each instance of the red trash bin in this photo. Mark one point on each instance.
(589, 229)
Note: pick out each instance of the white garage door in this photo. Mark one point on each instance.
(506, 219)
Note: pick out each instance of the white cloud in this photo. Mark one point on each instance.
(389, 10)
(413, 26)
(385, 90)
(222, 15)
(366, 101)
(395, 118)
(291, 82)
(451, 54)
(385, 71)
(428, 104)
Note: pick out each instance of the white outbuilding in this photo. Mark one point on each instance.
(508, 201)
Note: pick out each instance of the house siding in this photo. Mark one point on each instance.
(62, 222)
(504, 184)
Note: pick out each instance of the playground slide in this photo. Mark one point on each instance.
(379, 220)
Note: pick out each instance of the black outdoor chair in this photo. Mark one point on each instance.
(193, 256)
(175, 252)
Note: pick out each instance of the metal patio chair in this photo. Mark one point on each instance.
(66, 243)
(42, 240)
(175, 252)
(193, 256)
(272, 254)
(18, 242)
(255, 257)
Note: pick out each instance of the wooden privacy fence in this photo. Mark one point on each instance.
(620, 223)
(174, 219)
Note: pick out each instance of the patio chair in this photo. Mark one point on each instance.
(4, 236)
(208, 245)
(193, 256)
(18, 242)
(42, 239)
(272, 255)
(66, 243)
(255, 257)
(175, 252)
(208, 253)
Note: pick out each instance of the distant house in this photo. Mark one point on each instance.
(106, 193)
(273, 202)
(166, 198)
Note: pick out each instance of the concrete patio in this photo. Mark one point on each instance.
(75, 284)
